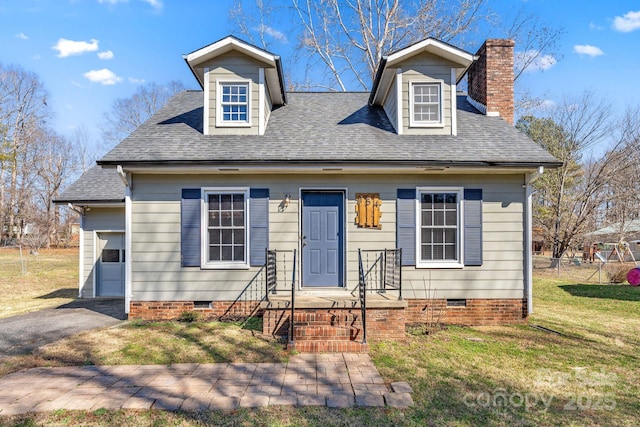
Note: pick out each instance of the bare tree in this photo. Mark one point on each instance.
(23, 111)
(569, 196)
(538, 43)
(349, 37)
(537, 49)
(127, 114)
(256, 27)
(84, 147)
(621, 201)
(53, 162)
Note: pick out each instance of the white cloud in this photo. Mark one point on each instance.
(136, 81)
(595, 27)
(587, 49)
(70, 47)
(78, 84)
(104, 76)
(278, 35)
(156, 4)
(630, 21)
(22, 36)
(105, 55)
(535, 60)
(547, 104)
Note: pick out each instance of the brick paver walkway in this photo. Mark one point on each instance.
(334, 380)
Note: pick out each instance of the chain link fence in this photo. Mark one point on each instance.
(581, 270)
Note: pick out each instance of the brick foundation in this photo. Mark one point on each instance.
(327, 324)
(476, 312)
(171, 310)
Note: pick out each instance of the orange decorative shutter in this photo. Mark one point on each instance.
(376, 212)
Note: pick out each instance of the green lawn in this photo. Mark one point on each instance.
(582, 369)
(50, 279)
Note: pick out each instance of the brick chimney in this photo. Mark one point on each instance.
(490, 79)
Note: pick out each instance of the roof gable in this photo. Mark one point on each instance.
(385, 73)
(274, 75)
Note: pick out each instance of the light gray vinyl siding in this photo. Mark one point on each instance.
(96, 219)
(233, 67)
(426, 68)
(391, 104)
(157, 274)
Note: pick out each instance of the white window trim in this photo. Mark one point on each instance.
(261, 95)
(412, 122)
(399, 103)
(207, 106)
(219, 121)
(454, 104)
(204, 218)
(459, 263)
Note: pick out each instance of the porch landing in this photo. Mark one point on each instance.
(316, 300)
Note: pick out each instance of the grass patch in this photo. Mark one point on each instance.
(162, 343)
(51, 280)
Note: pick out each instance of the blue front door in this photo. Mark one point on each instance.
(322, 239)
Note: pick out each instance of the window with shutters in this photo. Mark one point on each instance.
(440, 228)
(225, 226)
(426, 104)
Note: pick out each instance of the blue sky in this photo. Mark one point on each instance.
(90, 52)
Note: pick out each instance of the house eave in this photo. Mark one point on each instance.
(91, 202)
(332, 166)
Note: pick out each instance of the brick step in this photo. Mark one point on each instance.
(325, 332)
(325, 318)
(328, 347)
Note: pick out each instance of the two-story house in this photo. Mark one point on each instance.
(232, 197)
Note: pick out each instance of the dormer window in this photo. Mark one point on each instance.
(233, 104)
(426, 104)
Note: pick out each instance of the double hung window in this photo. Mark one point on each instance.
(234, 103)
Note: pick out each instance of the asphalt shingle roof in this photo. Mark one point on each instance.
(323, 128)
(97, 185)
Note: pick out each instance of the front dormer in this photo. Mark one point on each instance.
(241, 85)
(416, 87)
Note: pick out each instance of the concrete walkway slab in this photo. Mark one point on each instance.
(333, 380)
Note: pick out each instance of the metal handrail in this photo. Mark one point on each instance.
(293, 299)
(271, 271)
(275, 275)
(362, 294)
(385, 270)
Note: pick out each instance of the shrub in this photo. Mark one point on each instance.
(189, 316)
(617, 272)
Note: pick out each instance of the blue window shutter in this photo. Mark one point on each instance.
(472, 227)
(190, 235)
(406, 225)
(258, 225)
